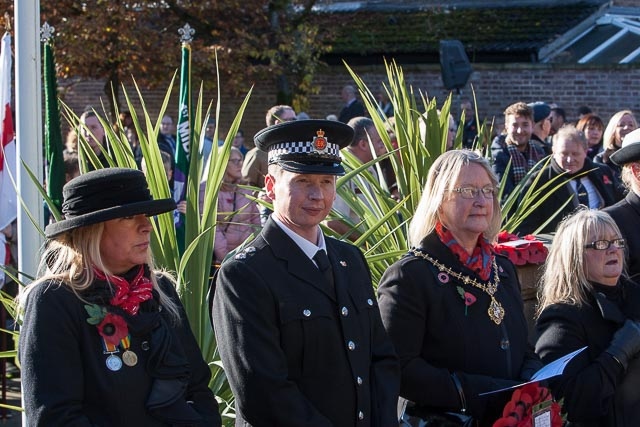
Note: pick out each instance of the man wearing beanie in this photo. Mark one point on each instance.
(541, 124)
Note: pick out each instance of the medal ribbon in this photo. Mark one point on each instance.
(125, 343)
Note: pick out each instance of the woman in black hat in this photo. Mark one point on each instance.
(104, 339)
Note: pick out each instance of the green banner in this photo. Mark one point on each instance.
(183, 143)
(52, 132)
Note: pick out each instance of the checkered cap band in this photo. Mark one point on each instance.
(277, 151)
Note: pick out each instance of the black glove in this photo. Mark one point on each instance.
(625, 343)
(479, 406)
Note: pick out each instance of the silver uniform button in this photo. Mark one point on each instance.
(344, 311)
(370, 301)
(306, 313)
(351, 345)
(145, 345)
(359, 380)
(361, 415)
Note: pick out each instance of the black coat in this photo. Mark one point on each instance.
(355, 109)
(284, 337)
(66, 381)
(626, 213)
(434, 333)
(595, 388)
(599, 175)
(501, 162)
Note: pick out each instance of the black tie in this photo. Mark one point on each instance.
(322, 260)
(583, 195)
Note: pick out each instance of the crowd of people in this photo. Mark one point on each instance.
(303, 337)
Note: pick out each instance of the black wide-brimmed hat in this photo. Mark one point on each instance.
(630, 150)
(103, 195)
(306, 146)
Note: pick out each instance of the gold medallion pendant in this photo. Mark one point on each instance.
(496, 311)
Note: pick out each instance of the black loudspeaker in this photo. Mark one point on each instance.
(454, 64)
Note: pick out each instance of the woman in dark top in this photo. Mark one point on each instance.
(452, 306)
(585, 300)
(620, 124)
(593, 129)
(104, 338)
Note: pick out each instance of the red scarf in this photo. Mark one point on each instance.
(479, 261)
(128, 295)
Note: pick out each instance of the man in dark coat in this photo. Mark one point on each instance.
(514, 154)
(352, 107)
(298, 329)
(626, 213)
(572, 179)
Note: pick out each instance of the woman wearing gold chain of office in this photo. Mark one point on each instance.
(451, 306)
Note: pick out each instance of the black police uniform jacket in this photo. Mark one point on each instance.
(296, 354)
(626, 214)
(595, 389)
(66, 381)
(435, 334)
(600, 176)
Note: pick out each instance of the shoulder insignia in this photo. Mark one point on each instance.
(248, 251)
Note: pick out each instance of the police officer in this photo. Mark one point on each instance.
(295, 316)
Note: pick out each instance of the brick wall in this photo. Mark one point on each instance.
(605, 89)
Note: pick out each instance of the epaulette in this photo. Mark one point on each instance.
(245, 252)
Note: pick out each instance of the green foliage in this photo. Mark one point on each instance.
(11, 307)
(420, 139)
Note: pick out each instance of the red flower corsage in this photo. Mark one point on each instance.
(112, 327)
(468, 297)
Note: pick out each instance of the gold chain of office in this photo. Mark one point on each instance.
(496, 311)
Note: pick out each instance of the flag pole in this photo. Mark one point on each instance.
(54, 149)
(28, 133)
(183, 133)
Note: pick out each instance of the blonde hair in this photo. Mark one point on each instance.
(441, 179)
(564, 279)
(69, 260)
(608, 138)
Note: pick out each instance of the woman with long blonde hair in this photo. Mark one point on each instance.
(104, 338)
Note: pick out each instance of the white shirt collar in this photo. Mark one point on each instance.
(307, 247)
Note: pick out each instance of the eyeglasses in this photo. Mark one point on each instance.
(603, 245)
(472, 192)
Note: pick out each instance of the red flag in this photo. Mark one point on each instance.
(8, 196)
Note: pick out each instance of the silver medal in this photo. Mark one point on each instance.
(114, 363)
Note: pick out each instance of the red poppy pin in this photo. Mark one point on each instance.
(468, 298)
(112, 327)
